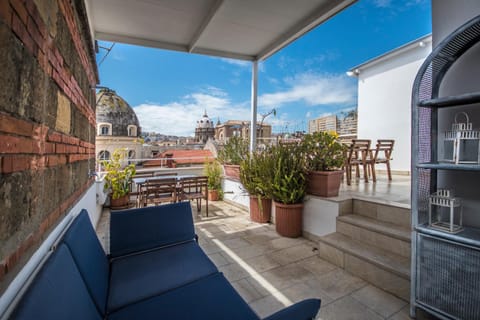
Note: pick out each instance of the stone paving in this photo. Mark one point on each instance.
(271, 272)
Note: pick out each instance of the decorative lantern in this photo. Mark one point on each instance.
(462, 143)
(444, 210)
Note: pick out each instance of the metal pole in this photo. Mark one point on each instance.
(253, 108)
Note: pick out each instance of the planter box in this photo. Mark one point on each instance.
(232, 171)
(324, 183)
(260, 211)
(289, 219)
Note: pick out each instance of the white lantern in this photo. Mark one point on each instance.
(445, 212)
(462, 143)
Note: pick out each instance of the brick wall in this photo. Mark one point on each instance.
(47, 121)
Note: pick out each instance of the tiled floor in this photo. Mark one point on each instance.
(271, 272)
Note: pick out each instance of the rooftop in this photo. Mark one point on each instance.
(271, 272)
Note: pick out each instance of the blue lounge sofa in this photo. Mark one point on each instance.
(155, 270)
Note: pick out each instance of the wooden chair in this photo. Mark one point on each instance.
(385, 146)
(135, 190)
(158, 191)
(194, 188)
(359, 153)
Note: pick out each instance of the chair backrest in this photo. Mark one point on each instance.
(155, 190)
(359, 148)
(385, 146)
(194, 185)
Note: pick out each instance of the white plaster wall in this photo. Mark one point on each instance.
(234, 191)
(384, 103)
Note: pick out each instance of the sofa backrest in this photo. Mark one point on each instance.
(142, 229)
(89, 257)
(57, 292)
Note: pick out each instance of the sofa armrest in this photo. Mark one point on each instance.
(142, 229)
(303, 310)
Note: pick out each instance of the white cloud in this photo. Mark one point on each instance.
(240, 63)
(382, 3)
(180, 118)
(313, 90)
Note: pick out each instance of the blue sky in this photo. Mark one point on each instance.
(169, 90)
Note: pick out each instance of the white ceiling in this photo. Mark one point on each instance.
(239, 29)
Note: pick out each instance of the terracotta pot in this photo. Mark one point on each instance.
(260, 211)
(289, 219)
(120, 203)
(324, 183)
(212, 195)
(232, 171)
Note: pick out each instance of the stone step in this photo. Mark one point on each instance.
(394, 213)
(387, 236)
(382, 268)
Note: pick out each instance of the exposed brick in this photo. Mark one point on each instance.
(3, 269)
(72, 149)
(15, 163)
(35, 15)
(77, 157)
(37, 163)
(40, 132)
(49, 147)
(60, 148)
(6, 12)
(55, 137)
(16, 126)
(11, 144)
(36, 35)
(20, 9)
(55, 160)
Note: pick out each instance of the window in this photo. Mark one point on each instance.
(104, 155)
(104, 129)
(132, 130)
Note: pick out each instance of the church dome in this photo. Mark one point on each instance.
(204, 122)
(114, 111)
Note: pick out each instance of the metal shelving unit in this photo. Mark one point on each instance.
(445, 266)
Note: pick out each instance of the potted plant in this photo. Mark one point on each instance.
(255, 173)
(325, 157)
(213, 171)
(231, 155)
(288, 182)
(118, 179)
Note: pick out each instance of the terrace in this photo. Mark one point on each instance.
(47, 131)
(271, 272)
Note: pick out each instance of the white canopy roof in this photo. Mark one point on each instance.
(238, 29)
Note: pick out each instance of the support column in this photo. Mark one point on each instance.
(253, 107)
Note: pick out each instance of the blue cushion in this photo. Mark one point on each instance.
(57, 292)
(303, 310)
(151, 227)
(90, 258)
(210, 298)
(141, 276)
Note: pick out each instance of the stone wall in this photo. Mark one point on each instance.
(47, 121)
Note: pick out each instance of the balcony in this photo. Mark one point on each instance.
(271, 272)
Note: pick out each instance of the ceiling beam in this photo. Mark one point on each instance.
(105, 36)
(203, 26)
(321, 14)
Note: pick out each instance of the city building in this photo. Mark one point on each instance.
(205, 129)
(117, 127)
(240, 128)
(345, 125)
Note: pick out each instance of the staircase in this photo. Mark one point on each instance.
(373, 243)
